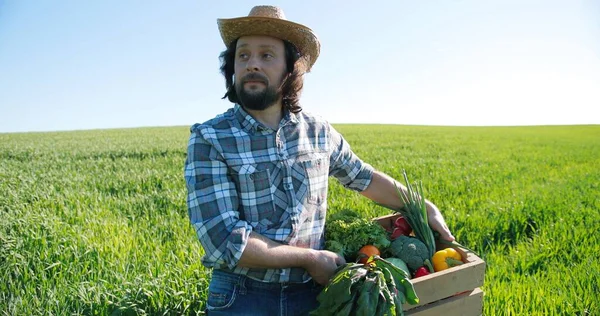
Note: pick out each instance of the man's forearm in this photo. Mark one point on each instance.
(382, 190)
(262, 252)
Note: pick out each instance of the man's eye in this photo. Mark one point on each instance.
(267, 56)
(243, 56)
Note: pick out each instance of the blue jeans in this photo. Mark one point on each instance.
(234, 294)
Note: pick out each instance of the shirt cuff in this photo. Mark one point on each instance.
(362, 179)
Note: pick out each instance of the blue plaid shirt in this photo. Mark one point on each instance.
(243, 176)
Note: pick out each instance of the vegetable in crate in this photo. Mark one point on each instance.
(401, 228)
(422, 271)
(415, 213)
(346, 232)
(411, 250)
(397, 262)
(366, 252)
(375, 288)
(445, 259)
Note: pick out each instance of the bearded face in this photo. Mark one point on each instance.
(256, 92)
(260, 68)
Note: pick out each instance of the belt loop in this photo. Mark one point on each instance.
(242, 284)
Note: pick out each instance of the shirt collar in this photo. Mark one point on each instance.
(250, 124)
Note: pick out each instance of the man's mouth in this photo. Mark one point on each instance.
(254, 78)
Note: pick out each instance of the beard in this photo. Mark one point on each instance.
(257, 100)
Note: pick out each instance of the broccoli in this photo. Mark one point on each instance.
(411, 250)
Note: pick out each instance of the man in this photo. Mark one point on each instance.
(257, 175)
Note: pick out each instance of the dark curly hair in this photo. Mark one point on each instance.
(292, 85)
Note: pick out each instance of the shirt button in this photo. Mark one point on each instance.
(288, 186)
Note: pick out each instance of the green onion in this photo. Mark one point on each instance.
(415, 212)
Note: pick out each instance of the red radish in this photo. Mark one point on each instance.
(397, 233)
(403, 226)
(422, 271)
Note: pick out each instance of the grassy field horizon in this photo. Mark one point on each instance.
(334, 124)
(95, 221)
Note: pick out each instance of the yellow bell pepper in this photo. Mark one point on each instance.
(446, 258)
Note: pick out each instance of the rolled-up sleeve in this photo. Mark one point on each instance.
(345, 165)
(213, 202)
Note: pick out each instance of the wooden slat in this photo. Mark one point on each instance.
(466, 304)
(440, 285)
(387, 222)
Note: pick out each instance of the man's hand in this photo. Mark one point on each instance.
(437, 222)
(322, 265)
(262, 252)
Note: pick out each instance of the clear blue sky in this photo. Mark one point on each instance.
(68, 65)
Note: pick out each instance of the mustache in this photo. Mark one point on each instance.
(254, 77)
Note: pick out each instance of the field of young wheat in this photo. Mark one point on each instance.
(95, 222)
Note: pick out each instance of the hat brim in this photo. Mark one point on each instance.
(301, 36)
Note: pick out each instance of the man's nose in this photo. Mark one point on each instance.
(253, 64)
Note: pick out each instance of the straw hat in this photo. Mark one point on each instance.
(270, 21)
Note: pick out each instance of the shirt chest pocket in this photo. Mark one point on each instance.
(256, 198)
(317, 172)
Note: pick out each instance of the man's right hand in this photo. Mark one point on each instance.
(322, 265)
(262, 252)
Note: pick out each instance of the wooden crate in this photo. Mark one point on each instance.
(455, 291)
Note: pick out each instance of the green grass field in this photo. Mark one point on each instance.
(95, 222)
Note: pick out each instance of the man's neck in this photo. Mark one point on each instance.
(270, 116)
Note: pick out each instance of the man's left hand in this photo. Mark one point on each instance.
(437, 222)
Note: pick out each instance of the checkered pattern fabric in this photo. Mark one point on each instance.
(243, 176)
